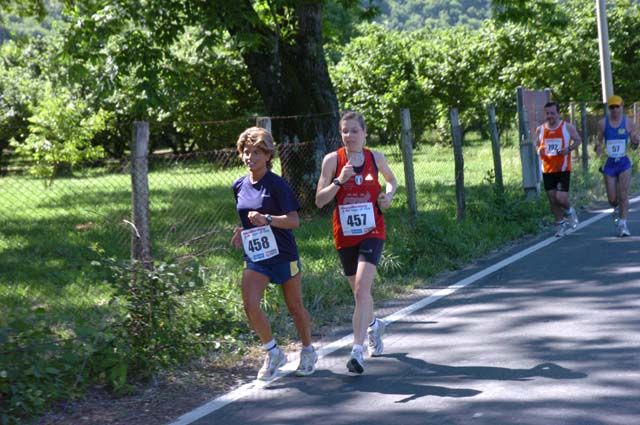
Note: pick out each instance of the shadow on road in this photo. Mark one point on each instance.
(543, 370)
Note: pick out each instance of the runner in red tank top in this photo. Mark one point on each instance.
(350, 175)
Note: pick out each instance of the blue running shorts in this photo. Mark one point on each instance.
(278, 273)
(616, 166)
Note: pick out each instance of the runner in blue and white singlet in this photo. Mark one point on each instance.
(614, 134)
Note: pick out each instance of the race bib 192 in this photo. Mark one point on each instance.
(552, 146)
(259, 243)
(357, 219)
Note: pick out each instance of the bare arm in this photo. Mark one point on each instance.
(290, 220)
(538, 130)
(326, 190)
(632, 128)
(236, 241)
(575, 137)
(384, 201)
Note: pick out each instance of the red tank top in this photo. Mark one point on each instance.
(363, 187)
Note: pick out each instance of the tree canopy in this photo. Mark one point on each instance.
(182, 63)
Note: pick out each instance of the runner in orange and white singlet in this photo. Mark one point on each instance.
(350, 175)
(555, 140)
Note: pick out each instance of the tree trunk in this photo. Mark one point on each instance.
(292, 78)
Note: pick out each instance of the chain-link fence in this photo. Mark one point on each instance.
(51, 234)
(48, 230)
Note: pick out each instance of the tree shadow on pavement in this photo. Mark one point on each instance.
(342, 386)
(543, 370)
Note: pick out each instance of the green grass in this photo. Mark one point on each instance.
(49, 236)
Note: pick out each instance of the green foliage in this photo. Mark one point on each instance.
(40, 362)
(28, 371)
(157, 317)
(377, 77)
(159, 323)
(411, 15)
(433, 70)
(61, 131)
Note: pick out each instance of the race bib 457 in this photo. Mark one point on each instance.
(357, 219)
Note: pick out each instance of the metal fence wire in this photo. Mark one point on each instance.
(46, 231)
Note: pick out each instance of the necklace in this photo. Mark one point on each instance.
(356, 158)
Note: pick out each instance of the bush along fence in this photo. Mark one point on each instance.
(119, 268)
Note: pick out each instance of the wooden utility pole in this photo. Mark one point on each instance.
(603, 47)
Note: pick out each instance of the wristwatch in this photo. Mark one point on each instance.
(268, 218)
(337, 182)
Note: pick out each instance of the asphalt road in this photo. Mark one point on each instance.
(548, 333)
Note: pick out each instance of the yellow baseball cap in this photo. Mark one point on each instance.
(614, 101)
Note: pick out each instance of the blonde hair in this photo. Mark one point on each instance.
(257, 137)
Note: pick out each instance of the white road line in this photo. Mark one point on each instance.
(256, 385)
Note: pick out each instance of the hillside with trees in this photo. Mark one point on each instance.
(417, 14)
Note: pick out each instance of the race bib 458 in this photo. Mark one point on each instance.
(259, 243)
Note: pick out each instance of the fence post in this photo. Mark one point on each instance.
(495, 147)
(636, 112)
(528, 156)
(264, 122)
(585, 138)
(407, 159)
(140, 233)
(572, 113)
(459, 162)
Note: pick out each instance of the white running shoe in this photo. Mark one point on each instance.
(623, 230)
(307, 365)
(376, 346)
(272, 362)
(356, 362)
(573, 219)
(616, 215)
(561, 229)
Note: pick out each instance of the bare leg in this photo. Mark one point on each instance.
(253, 286)
(292, 290)
(611, 184)
(361, 285)
(556, 208)
(624, 180)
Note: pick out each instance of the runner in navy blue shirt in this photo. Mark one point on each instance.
(268, 211)
(270, 195)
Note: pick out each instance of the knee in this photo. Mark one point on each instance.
(297, 310)
(252, 308)
(361, 295)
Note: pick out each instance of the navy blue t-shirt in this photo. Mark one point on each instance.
(270, 195)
